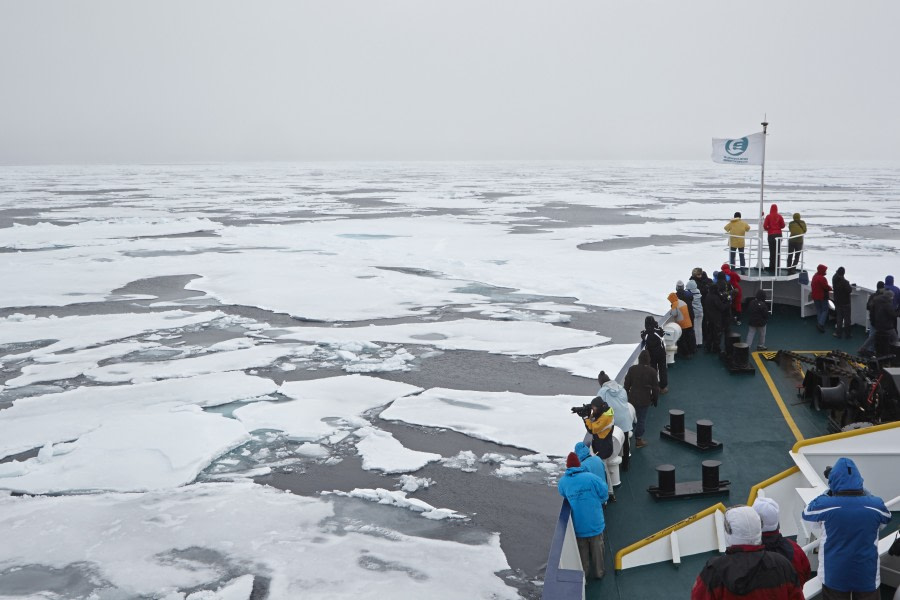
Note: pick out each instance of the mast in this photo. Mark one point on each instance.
(762, 185)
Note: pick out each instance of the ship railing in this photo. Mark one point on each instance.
(779, 285)
(564, 578)
(757, 256)
(564, 562)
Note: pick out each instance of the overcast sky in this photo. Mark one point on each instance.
(169, 81)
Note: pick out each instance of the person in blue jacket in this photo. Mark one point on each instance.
(850, 519)
(586, 494)
(590, 462)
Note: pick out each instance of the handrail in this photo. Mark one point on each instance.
(561, 583)
(842, 435)
(663, 533)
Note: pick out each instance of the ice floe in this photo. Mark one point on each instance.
(380, 451)
(399, 499)
(322, 407)
(590, 361)
(218, 362)
(133, 453)
(76, 332)
(501, 337)
(503, 417)
(31, 422)
(207, 535)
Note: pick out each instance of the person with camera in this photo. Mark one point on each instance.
(586, 494)
(747, 570)
(849, 519)
(599, 420)
(652, 340)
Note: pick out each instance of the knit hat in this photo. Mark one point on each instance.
(767, 509)
(679, 284)
(742, 527)
(572, 460)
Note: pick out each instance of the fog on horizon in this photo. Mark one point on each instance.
(118, 82)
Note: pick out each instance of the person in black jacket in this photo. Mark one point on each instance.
(842, 290)
(652, 339)
(717, 311)
(882, 320)
(642, 384)
(758, 317)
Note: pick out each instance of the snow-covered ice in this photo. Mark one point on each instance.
(590, 361)
(144, 545)
(502, 337)
(503, 417)
(316, 404)
(31, 422)
(380, 451)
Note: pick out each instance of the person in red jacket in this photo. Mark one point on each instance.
(773, 225)
(819, 294)
(738, 298)
(747, 571)
(767, 509)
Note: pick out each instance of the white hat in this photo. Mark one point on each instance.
(742, 527)
(767, 509)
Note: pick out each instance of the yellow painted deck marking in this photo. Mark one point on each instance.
(781, 405)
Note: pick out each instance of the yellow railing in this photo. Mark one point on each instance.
(774, 478)
(843, 435)
(661, 534)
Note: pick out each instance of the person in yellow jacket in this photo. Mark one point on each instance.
(797, 228)
(736, 229)
(600, 425)
(687, 343)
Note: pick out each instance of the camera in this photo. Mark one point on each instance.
(582, 411)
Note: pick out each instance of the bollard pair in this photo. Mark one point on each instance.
(701, 439)
(709, 485)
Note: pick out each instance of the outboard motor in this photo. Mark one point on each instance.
(673, 333)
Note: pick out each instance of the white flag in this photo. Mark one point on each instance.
(747, 150)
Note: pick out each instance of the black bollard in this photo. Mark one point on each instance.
(740, 355)
(730, 340)
(704, 433)
(676, 422)
(710, 475)
(666, 479)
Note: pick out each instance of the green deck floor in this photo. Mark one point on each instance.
(756, 437)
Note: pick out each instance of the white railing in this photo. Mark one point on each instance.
(757, 255)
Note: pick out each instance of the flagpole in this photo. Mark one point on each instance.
(762, 184)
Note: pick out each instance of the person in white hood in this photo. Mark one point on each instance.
(697, 303)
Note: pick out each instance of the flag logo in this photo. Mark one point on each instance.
(745, 150)
(737, 147)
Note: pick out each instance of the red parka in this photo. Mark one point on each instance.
(774, 223)
(819, 284)
(791, 550)
(748, 573)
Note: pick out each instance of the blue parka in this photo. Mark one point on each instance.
(591, 462)
(851, 519)
(586, 494)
